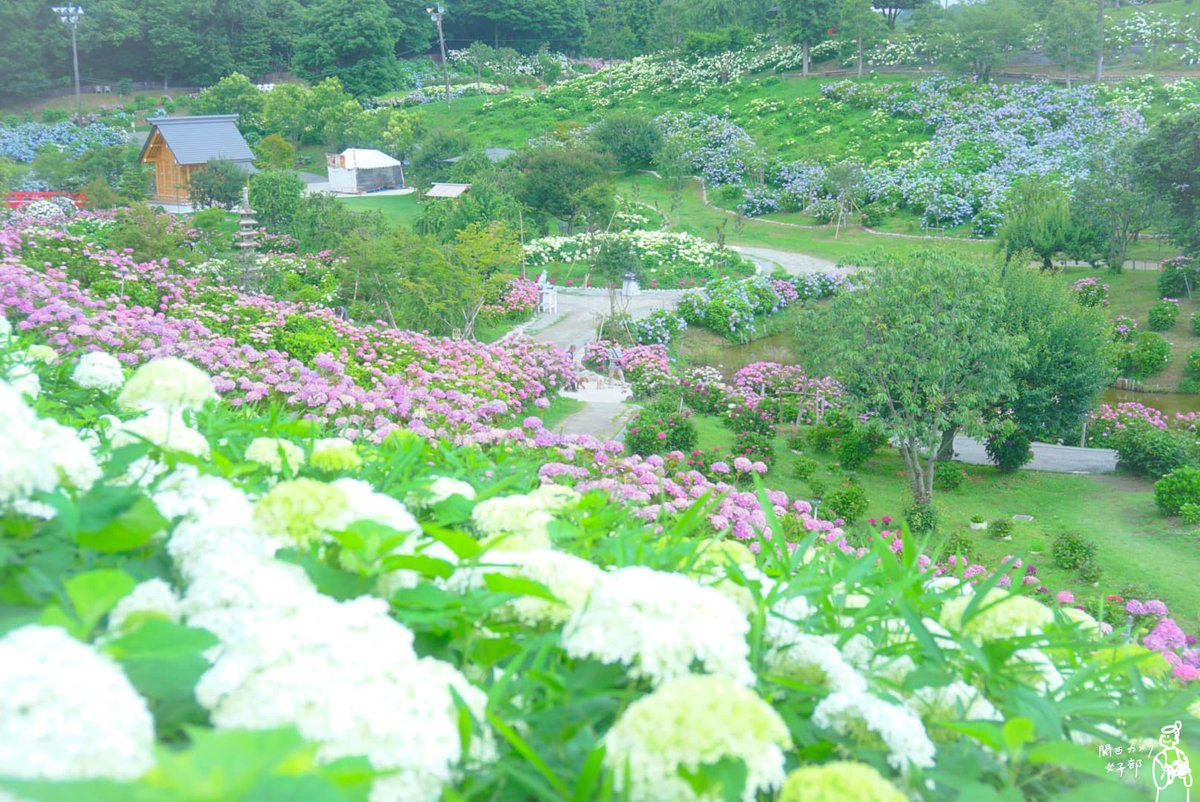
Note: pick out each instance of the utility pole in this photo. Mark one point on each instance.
(70, 15)
(436, 15)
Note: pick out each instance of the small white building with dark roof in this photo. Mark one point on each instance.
(357, 170)
(179, 146)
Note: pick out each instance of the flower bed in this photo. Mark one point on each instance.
(366, 380)
(669, 258)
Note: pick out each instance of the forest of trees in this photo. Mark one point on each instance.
(196, 42)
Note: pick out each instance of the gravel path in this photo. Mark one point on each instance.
(768, 260)
(1046, 457)
(605, 411)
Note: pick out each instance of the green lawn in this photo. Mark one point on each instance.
(1133, 544)
(396, 209)
(686, 211)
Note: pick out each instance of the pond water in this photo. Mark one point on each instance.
(1166, 403)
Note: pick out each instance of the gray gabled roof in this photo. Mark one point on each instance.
(199, 140)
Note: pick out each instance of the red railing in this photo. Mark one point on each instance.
(15, 200)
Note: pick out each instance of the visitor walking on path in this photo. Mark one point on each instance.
(614, 362)
(573, 382)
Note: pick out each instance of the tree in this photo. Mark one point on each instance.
(1168, 162)
(219, 183)
(275, 196)
(352, 39)
(978, 38)
(921, 344)
(1038, 220)
(808, 22)
(630, 138)
(479, 54)
(275, 152)
(34, 45)
(567, 183)
(1110, 208)
(891, 9)
(858, 22)
(450, 292)
(614, 260)
(1066, 347)
(233, 94)
(1070, 34)
(525, 24)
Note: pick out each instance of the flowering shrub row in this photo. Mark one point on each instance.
(736, 308)
(668, 257)
(365, 380)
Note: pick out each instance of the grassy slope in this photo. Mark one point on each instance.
(1134, 545)
(396, 209)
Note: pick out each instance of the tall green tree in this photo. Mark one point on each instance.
(524, 25)
(353, 40)
(1038, 220)
(567, 184)
(1110, 208)
(978, 38)
(891, 9)
(34, 47)
(860, 23)
(275, 197)
(219, 183)
(1169, 167)
(1070, 34)
(809, 22)
(1066, 364)
(922, 345)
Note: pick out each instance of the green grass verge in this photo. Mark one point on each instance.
(396, 209)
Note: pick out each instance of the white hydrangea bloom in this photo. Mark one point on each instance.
(440, 489)
(953, 702)
(364, 504)
(153, 596)
(167, 382)
(513, 522)
(811, 659)
(72, 458)
(24, 381)
(24, 469)
(689, 722)
(272, 451)
(553, 498)
(99, 371)
(860, 714)
(568, 577)
(68, 712)
(164, 428)
(997, 615)
(186, 493)
(42, 353)
(659, 624)
(345, 675)
(229, 592)
(5, 329)
(1037, 669)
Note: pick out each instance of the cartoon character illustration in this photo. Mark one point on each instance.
(1171, 764)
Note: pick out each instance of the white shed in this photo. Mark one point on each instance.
(356, 170)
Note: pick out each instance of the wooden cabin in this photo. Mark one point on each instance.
(178, 146)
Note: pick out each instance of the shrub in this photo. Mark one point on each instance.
(959, 544)
(849, 502)
(1150, 452)
(1009, 452)
(1071, 550)
(1150, 355)
(742, 416)
(804, 467)
(1174, 277)
(630, 137)
(659, 428)
(921, 518)
(1091, 292)
(1190, 514)
(1194, 322)
(1163, 314)
(817, 488)
(1000, 528)
(948, 476)
(1180, 486)
(797, 441)
(754, 447)
(857, 444)
(1124, 328)
(1090, 571)
(219, 183)
(821, 438)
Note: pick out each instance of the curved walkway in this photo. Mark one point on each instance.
(1046, 457)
